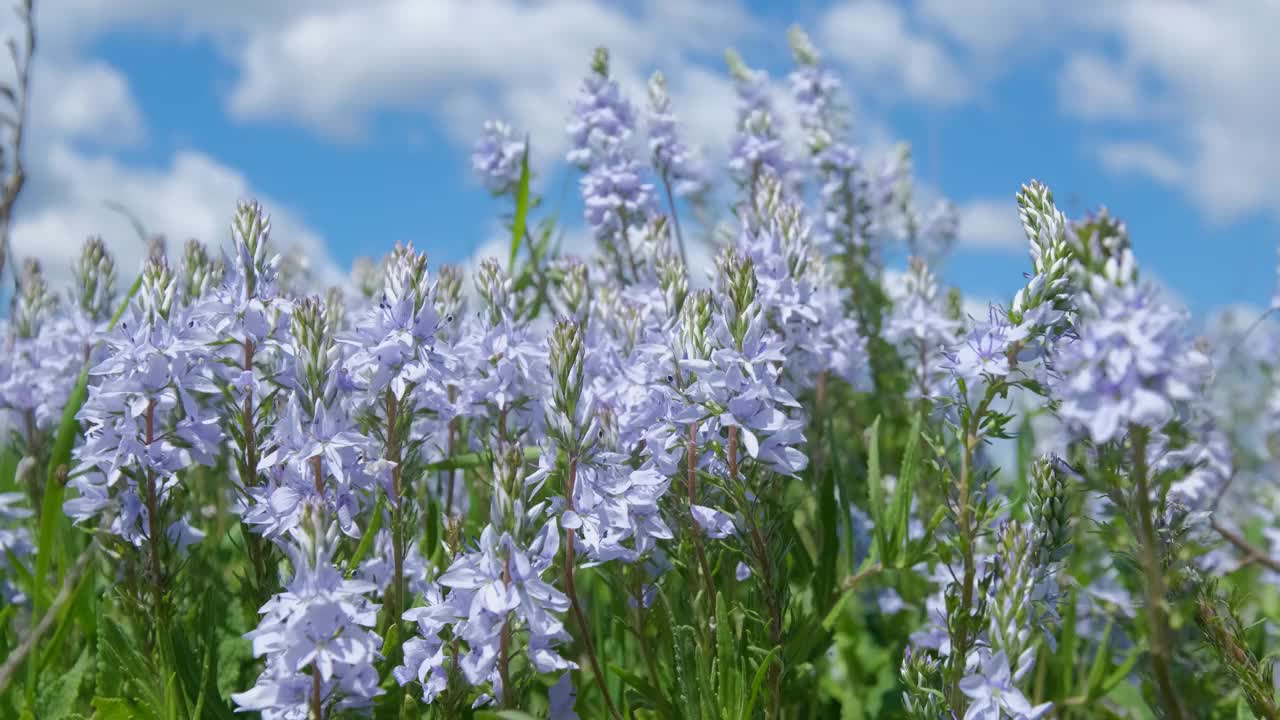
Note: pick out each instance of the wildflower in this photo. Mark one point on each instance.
(497, 157)
(1131, 364)
(993, 696)
(671, 158)
(319, 626)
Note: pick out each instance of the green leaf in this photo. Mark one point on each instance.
(58, 699)
(875, 490)
(828, 502)
(757, 683)
(64, 621)
(725, 649)
(648, 693)
(1101, 659)
(900, 512)
(514, 715)
(366, 542)
(521, 217)
(112, 708)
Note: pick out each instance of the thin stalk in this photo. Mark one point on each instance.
(675, 218)
(255, 546)
(153, 528)
(317, 709)
(691, 485)
(572, 592)
(761, 549)
(967, 532)
(453, 441)
(397, 506)
(504, 643)
(1158, 625)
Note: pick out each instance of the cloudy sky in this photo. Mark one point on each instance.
(352, 121)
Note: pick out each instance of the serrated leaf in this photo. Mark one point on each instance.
(112, 708)
(57, 700)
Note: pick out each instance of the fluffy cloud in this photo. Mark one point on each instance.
(1092, 86)
(1142, 158)
(194, 196)
(82, 113)
(1205, 101)
(877, 43)
(991, 225)
(333, 68)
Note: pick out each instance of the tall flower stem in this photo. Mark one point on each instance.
(504, 647)
(397, 506)
(761, 550)
(967, 533)
(154, 536)
(571, 590)
(255, 546)
(1157, 623)
(317, 708)
(675, 218)
(691, 486)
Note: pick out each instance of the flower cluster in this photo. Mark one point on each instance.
(725, 468)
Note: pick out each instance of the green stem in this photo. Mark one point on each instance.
(1157, 623)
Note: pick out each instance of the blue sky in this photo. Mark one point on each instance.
(353, 121)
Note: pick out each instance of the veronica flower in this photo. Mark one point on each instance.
(1132, 363)
(497, 157)
(146, 420)
(496, 584)
(319, 626)
(993, 696)
(603, 120)
(921, 331)
(671, 158)
(988, 352)
(756, 148)
(14, 543)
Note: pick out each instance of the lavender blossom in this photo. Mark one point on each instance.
(319, 626)
(497, 157)
(993, 696)
(1132, 363)
(672, 160)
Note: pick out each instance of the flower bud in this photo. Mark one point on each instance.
(200, 273)
(494, 285)
(33, 302)
(250, 235)
(95, 271)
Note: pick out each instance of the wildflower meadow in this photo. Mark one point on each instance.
(748, 457)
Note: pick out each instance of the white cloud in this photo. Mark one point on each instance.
(333, 69)
(874, 40)
(1142, 158)
(195, 196)
(84, 101)
(1208, 106)
(1092, 86)
(83, 112)
(991, 225)
(989, 27)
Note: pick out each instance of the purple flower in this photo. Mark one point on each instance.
(603, 120)
(993, 695)
(497, 157)
(671, 158)
(1132, 363)
(320, 624)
